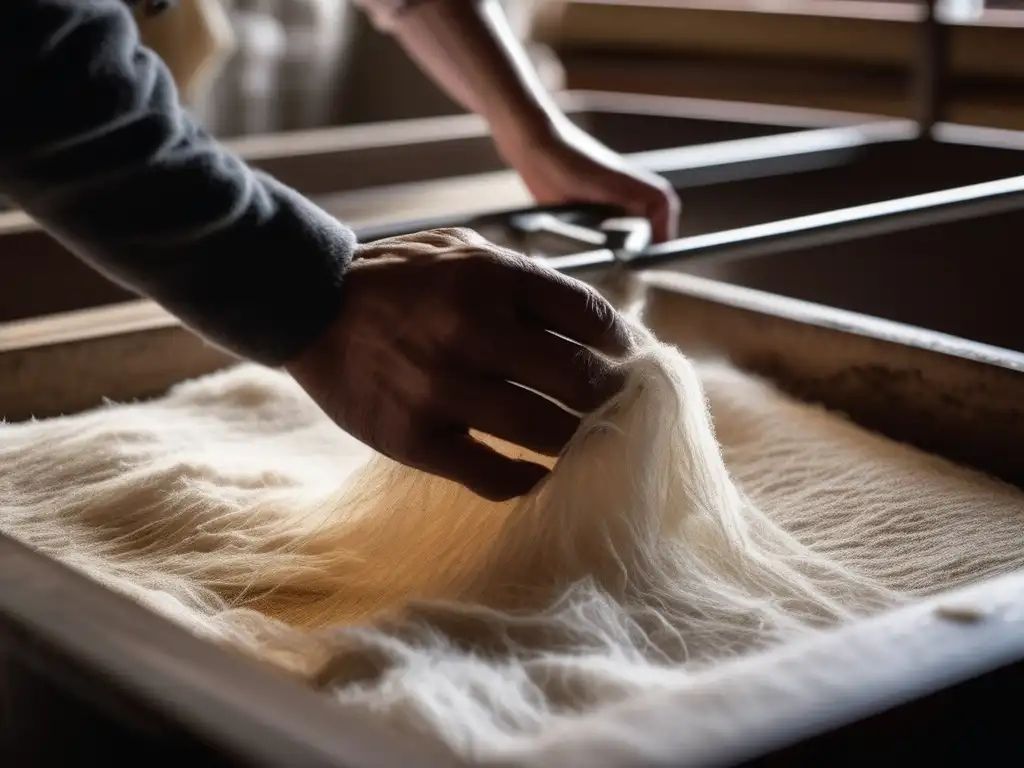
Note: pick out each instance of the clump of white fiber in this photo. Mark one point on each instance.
(233, 507)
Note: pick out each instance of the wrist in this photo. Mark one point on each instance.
(529, 129)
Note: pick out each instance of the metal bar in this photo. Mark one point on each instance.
(727, 161)
(572, 213)
(717, 163)
(931, 69)
(974, 201)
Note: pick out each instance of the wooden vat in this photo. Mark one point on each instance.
(106, 672)
(106, 675)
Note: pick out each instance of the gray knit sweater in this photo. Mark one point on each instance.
(95, 147)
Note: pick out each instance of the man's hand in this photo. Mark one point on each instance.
(559, 163)
(470, 50)
(433, 328)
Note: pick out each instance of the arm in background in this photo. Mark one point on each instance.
(467, 47)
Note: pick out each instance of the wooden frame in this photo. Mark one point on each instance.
(944, 394)
(888, 376)
(182, 697)
(168, 693)
(866, 34)
(841, 54)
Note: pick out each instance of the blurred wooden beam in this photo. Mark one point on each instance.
(846, 55)
(848, 32)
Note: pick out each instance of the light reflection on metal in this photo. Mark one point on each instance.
(843, 224)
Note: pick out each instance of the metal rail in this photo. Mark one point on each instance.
(842, 225)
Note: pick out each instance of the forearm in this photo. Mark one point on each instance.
(94, 146)
(467, 47)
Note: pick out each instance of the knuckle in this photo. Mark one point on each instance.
(457, 234)
(483, 269)
(441, 239)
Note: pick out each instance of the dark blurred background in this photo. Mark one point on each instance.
(302, 64)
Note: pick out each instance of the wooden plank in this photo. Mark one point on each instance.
(354, 157)
(921, 679)
(946, 395)
(865, 34)
(852, 56)
(338, 159)
(465, 195)
(794, 83)
(123, 317)
(324, 142)
(119, 364)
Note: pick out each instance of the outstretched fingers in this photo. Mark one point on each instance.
(509, 412)
(572, 309)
